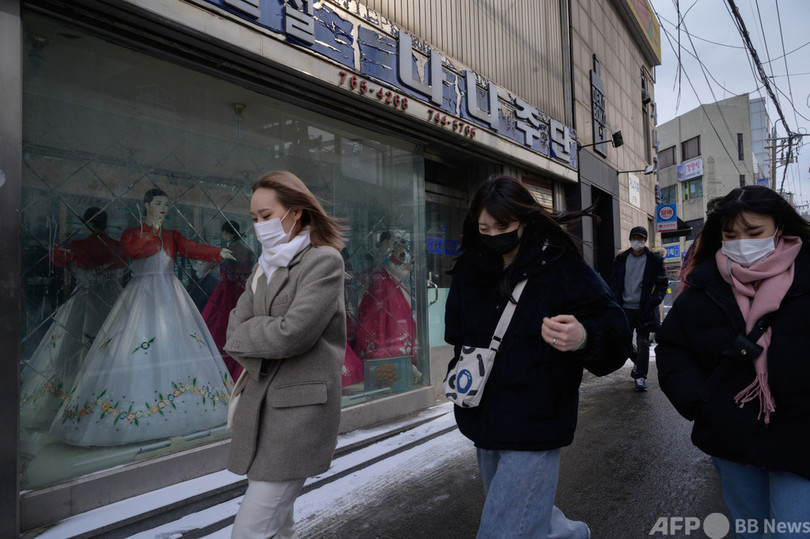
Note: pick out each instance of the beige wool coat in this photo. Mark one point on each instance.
(290, 336)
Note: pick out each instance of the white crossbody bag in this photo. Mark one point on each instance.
(464, 383)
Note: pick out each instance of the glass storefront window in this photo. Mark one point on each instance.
(122, 328)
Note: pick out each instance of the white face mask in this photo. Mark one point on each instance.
(271, 233)
(637, 245)
(748, 251)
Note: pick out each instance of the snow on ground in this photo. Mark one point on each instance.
(342, 496)
(440, 419)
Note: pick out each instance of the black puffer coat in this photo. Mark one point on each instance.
(653, 286)
(530, 400)
(703, 320)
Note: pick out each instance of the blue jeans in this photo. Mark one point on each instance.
(520, 487)
(754, 495)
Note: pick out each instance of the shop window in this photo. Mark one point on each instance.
(669, 195)
(693, 189)
(666, 157)
(121, 348)
(690, 149)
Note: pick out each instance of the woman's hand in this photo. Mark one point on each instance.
(226, 254)
(563, 332)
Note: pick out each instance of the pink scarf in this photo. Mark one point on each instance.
(759, 290)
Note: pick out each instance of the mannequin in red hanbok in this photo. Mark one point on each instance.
(153, 371)
(385, 323)
(233, 274)
(48, 376)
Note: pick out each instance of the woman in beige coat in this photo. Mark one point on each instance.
(288, 331)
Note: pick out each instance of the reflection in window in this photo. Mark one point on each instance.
(122, 325)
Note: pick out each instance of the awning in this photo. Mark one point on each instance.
(682, 230)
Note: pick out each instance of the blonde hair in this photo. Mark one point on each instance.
(292, 193)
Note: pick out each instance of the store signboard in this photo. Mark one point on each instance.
(387, 65)
(441, 246)
(634, 190)
(673, 253)
(666, 218)
(692, 169)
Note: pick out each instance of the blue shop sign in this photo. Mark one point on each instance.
(440, 246)
(383, 63)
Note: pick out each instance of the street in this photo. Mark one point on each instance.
(631, 463)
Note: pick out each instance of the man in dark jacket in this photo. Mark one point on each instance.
(640, 284)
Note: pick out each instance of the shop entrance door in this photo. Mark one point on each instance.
(444, 215)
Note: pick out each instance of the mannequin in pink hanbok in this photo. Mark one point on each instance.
(385, 323)
(233, 274)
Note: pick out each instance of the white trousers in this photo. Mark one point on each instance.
(267, 510)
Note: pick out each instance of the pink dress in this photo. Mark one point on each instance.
(233, 275)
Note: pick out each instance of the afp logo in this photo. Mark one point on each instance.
(715, 526)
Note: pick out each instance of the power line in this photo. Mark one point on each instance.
(704, 70)
(753, 52)
(787, 71)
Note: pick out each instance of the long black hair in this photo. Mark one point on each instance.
(507, 200)
(749, 199)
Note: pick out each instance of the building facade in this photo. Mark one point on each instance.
(704, 154)
(391, 113)
(616, 46)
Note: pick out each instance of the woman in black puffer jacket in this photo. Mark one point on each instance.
(566, 319)
(747, 389)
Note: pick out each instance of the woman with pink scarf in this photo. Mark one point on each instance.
(733, 356)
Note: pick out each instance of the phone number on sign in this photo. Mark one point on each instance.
(387, 97)
(462, 128)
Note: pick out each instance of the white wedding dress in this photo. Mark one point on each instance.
(50, 372)
(153, 371)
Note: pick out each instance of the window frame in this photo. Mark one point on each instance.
(663, 162)
(687, 188)
(685, 146)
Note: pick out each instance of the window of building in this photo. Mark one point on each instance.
(693, 189)
(669, 195)
(121, 349)
(742, 180)
(690, 149)
(666, 157)
(740, 149)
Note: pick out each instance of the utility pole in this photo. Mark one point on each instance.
(781, 145)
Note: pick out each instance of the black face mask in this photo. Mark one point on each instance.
(502, 243)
